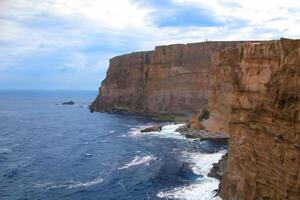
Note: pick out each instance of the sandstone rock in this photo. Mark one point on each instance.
(171, 79)
(156, 128)
(194, 123)
(255, 97)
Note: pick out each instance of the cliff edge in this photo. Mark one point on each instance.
(255, 97)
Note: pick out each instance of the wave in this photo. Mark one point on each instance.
(70, 184)
(138, 160)
(5, 150)
(201, 163)
(202, 190)
(168, 131)
(204, 187)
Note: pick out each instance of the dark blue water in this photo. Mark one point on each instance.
(51, 151)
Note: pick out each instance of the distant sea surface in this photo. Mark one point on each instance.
(54, 151)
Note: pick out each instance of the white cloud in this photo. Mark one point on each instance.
(107, 14)
(33, 27)
(122, 19)
(275, 15)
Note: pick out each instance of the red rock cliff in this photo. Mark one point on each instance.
(255, 97)
(170, 79)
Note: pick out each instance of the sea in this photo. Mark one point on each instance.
(50, 151)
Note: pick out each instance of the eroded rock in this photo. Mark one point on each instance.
(255, 97)
(202, 134)
(156, 128)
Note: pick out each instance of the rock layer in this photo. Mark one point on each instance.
(255, 96)
(171, 79)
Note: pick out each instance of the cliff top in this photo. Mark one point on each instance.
(181, 45)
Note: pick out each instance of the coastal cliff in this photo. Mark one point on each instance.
(252, 90)
(171, 79)
(255, 97)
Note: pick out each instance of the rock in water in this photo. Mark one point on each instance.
(68, 103)
(156, 128)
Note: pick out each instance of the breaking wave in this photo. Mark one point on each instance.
(205, 187)
(168, 131)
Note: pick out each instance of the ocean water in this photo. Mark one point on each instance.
(54, 151)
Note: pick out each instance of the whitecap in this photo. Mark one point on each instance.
(138, 160)
(112, 131)
(70, 184)
(5, 150)
(204, 187)
(86, 184)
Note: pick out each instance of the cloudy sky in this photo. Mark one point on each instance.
(66, 44)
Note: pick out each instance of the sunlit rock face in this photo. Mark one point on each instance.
(255, 97)
(170, 79)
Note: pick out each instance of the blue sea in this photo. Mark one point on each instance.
(54, 151)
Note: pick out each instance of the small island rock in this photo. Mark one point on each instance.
(68, 103)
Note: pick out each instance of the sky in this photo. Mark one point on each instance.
(67, 44)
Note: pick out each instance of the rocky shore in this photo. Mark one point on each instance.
(202, 134)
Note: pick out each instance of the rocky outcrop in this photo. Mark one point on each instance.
(219, 169)
(202, 135)
(171, 79)
(155, 128)
(255, 97)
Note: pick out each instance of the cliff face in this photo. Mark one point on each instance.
(170, 79)
(255, 97)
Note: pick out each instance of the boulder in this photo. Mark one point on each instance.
(156, 128)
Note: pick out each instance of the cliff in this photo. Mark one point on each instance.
(171, 79)
(255, 97)
(253, 93)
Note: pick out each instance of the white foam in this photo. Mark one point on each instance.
(138, 160)
(202, 163)
(5, 150)
(71, 184)
(204, 187)
(168, 131)
(86, 184)
(202, 190)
